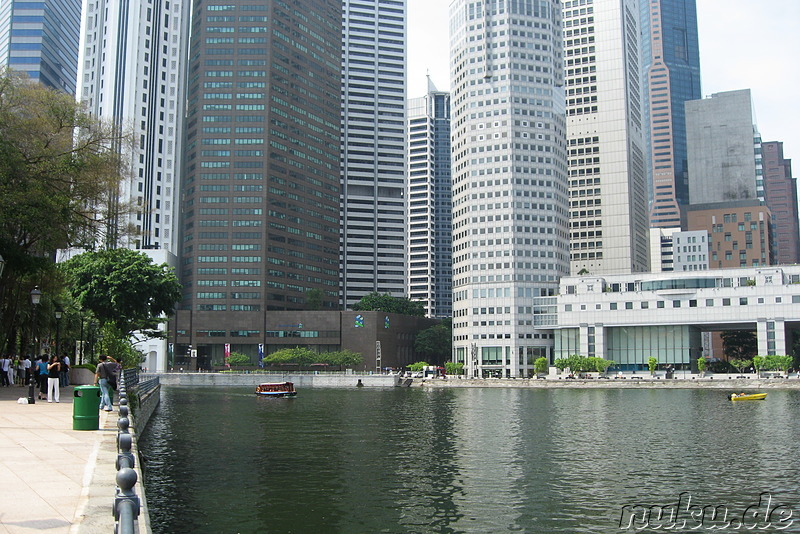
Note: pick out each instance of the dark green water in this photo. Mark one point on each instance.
(221, 460)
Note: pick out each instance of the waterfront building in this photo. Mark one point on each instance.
(260, 191)
(607, 176)
(373, 124)
(629, 318)
(690, 250)
(509, 172)
(133, 75)
(386, 340)
(41, 40)
(724, 149)
(780, 189)
(739, 233)
(661, 249)
(430, 203)
(670, 77)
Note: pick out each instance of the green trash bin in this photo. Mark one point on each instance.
(86, 408)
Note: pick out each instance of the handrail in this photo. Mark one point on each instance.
(127, 504)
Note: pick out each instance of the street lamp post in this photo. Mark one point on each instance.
(80, 359)
(36, 298)
(58, 314)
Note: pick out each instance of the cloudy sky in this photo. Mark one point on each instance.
(743, 44)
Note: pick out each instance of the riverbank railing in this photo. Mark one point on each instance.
(127, 504)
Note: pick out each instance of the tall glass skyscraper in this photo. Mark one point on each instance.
(41, 39)
(670, 77)
(260, 204)
(429, 196)
(373, 149)
(509, 167)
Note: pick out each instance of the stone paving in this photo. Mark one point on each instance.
(54, 479)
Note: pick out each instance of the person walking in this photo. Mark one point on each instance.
(53, 379)
(64, 375)
(5, 364)
(26, 366)
(103, 377)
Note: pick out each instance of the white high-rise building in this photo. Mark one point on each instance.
(131, 72)
(609, 220)
(509, 167)
(373, 189)
(430, 274)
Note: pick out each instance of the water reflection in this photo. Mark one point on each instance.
(471, 460)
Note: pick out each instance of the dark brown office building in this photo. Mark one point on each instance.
(260, 203)
(781, 196)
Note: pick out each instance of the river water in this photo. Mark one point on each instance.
(483, 460)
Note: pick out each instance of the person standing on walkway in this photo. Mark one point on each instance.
(26, 367)
(5, 364)
(64, 375)
(41, 377)
(19, 363)
(53, 379)
(105, 371)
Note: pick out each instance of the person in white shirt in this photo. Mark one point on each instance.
(26, 364)
(64, 376)
(5, 365)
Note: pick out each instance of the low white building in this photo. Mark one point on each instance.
(628, 318)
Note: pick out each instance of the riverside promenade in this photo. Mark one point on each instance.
(54, 479)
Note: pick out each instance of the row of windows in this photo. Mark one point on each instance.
(691, 303)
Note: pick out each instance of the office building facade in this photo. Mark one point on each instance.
(509, 169)
(670, 77)
(260, 203)
(41, 40)
(780, 190)
(373, 241)
(609, 226)
(739, 233)
(133, 74)
(430, 203)
(723, 149)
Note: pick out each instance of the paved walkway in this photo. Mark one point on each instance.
(54, 479)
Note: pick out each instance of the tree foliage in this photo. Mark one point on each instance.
(453, 368)
(652, 364)
(540, 365)
(389, 304)
(123, 287)
(701, 364)
(435, 342)
(418, 366)
(306, 356)
(739, 344)
(740, 364)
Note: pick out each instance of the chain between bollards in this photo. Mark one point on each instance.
(126, 503)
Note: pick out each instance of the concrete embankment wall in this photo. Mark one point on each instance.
(253, 379)
(745, 384)
(148, 401)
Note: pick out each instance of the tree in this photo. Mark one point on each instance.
(759, 362)
(741, 344)
(124, 288)
(453, 368)
(652, 364)
(342, 358)
(740, 364)
(296, 355)
(602, 365)
(389, 304)
(237, 358)
(435, 342)
(540, 365)
(418, 366)
(314, 299)
(561, 364)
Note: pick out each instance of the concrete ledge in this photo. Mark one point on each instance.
(643, 383)
(253, 379)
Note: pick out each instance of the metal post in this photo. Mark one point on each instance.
(36, 297)
(80, 357)
(58, 314)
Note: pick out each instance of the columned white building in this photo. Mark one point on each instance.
(132, 73)
(609, 221)
(373, 211)
(629, 318)
(510, 210)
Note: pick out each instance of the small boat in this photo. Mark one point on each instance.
(276, 389)
(747, 396)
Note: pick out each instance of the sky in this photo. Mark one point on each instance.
(744, 44)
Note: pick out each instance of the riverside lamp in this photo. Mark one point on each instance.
(36, 298)
(58, 314)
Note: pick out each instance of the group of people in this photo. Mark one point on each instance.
(17, 370)
(50, 375)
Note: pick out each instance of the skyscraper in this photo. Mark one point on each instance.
(609, 227)
(780, 189)
(724, 149)
(41, 39)
(509, 167)
(429, 196)
(260, 218)
(373, 256)
(133, 74)
(670, 77)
